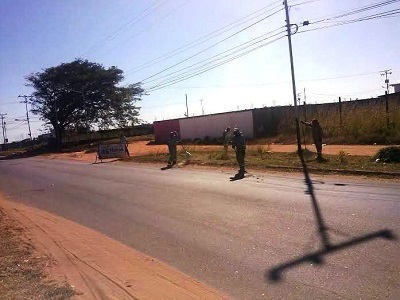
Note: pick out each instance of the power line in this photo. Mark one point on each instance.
(8, 103)
(202, 51)
(212, 67)
(361, 19)
(229, 58)
(345, 94)
(354, 11)
(212, 59)
(373, 16)
(239, 85)
(154, 23)
(131, 22)
(302, 3)
(18, 125)
(166, 104)
(203, 39)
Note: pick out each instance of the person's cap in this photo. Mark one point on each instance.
(315, 122)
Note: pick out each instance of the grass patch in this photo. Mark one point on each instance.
(261, 158)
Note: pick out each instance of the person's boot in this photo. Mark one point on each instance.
(241, 172)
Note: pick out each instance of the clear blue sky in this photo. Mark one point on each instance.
(337, 61)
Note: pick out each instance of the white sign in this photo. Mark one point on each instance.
(111, 151)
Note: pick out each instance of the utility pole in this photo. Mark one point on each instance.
(202, 109)
(187, 108)
(321, 226)
(27, 115)
(3, 125)
(289, 34)
(386, 73)
(305, 119)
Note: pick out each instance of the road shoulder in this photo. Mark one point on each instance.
(97, 266)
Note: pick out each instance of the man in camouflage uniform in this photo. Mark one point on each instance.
(239, 145)
(172, 141)
(317, 135)
(226, 138)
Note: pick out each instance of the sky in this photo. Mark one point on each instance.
(225, 55)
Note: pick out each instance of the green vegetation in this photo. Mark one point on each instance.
(262, 158)
(360, 122)
(78, 95)
(388, 155)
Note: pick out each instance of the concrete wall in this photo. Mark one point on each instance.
(213, 125)
(162, 129)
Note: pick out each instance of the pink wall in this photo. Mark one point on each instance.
(163, 128)
(213, 125)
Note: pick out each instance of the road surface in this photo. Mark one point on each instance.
(251, 239)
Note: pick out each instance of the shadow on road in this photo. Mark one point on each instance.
(275, 274)
(105, 161)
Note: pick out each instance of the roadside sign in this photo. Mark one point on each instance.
(111, 151)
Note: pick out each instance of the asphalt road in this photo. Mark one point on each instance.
(252, 239)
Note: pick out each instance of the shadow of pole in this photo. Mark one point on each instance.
(322, 229)
(317, 257)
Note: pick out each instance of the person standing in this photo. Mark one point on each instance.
(226, 138)
(172, 142)
(317, 135)
(123, 140)
(239, 145)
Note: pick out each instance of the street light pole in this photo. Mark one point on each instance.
(27, 116)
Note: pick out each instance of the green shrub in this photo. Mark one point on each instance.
(388, 154)
(342, 157)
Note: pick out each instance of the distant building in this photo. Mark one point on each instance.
(396, 87)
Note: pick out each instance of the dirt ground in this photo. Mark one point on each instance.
(138, 148)
(95, 266)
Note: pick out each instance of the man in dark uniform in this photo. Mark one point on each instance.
(124, 141)
(172, 141)
(226, 138)
(317, 135)
(239, 145)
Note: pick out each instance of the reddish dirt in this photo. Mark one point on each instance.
(138, 148)
(98, 267)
